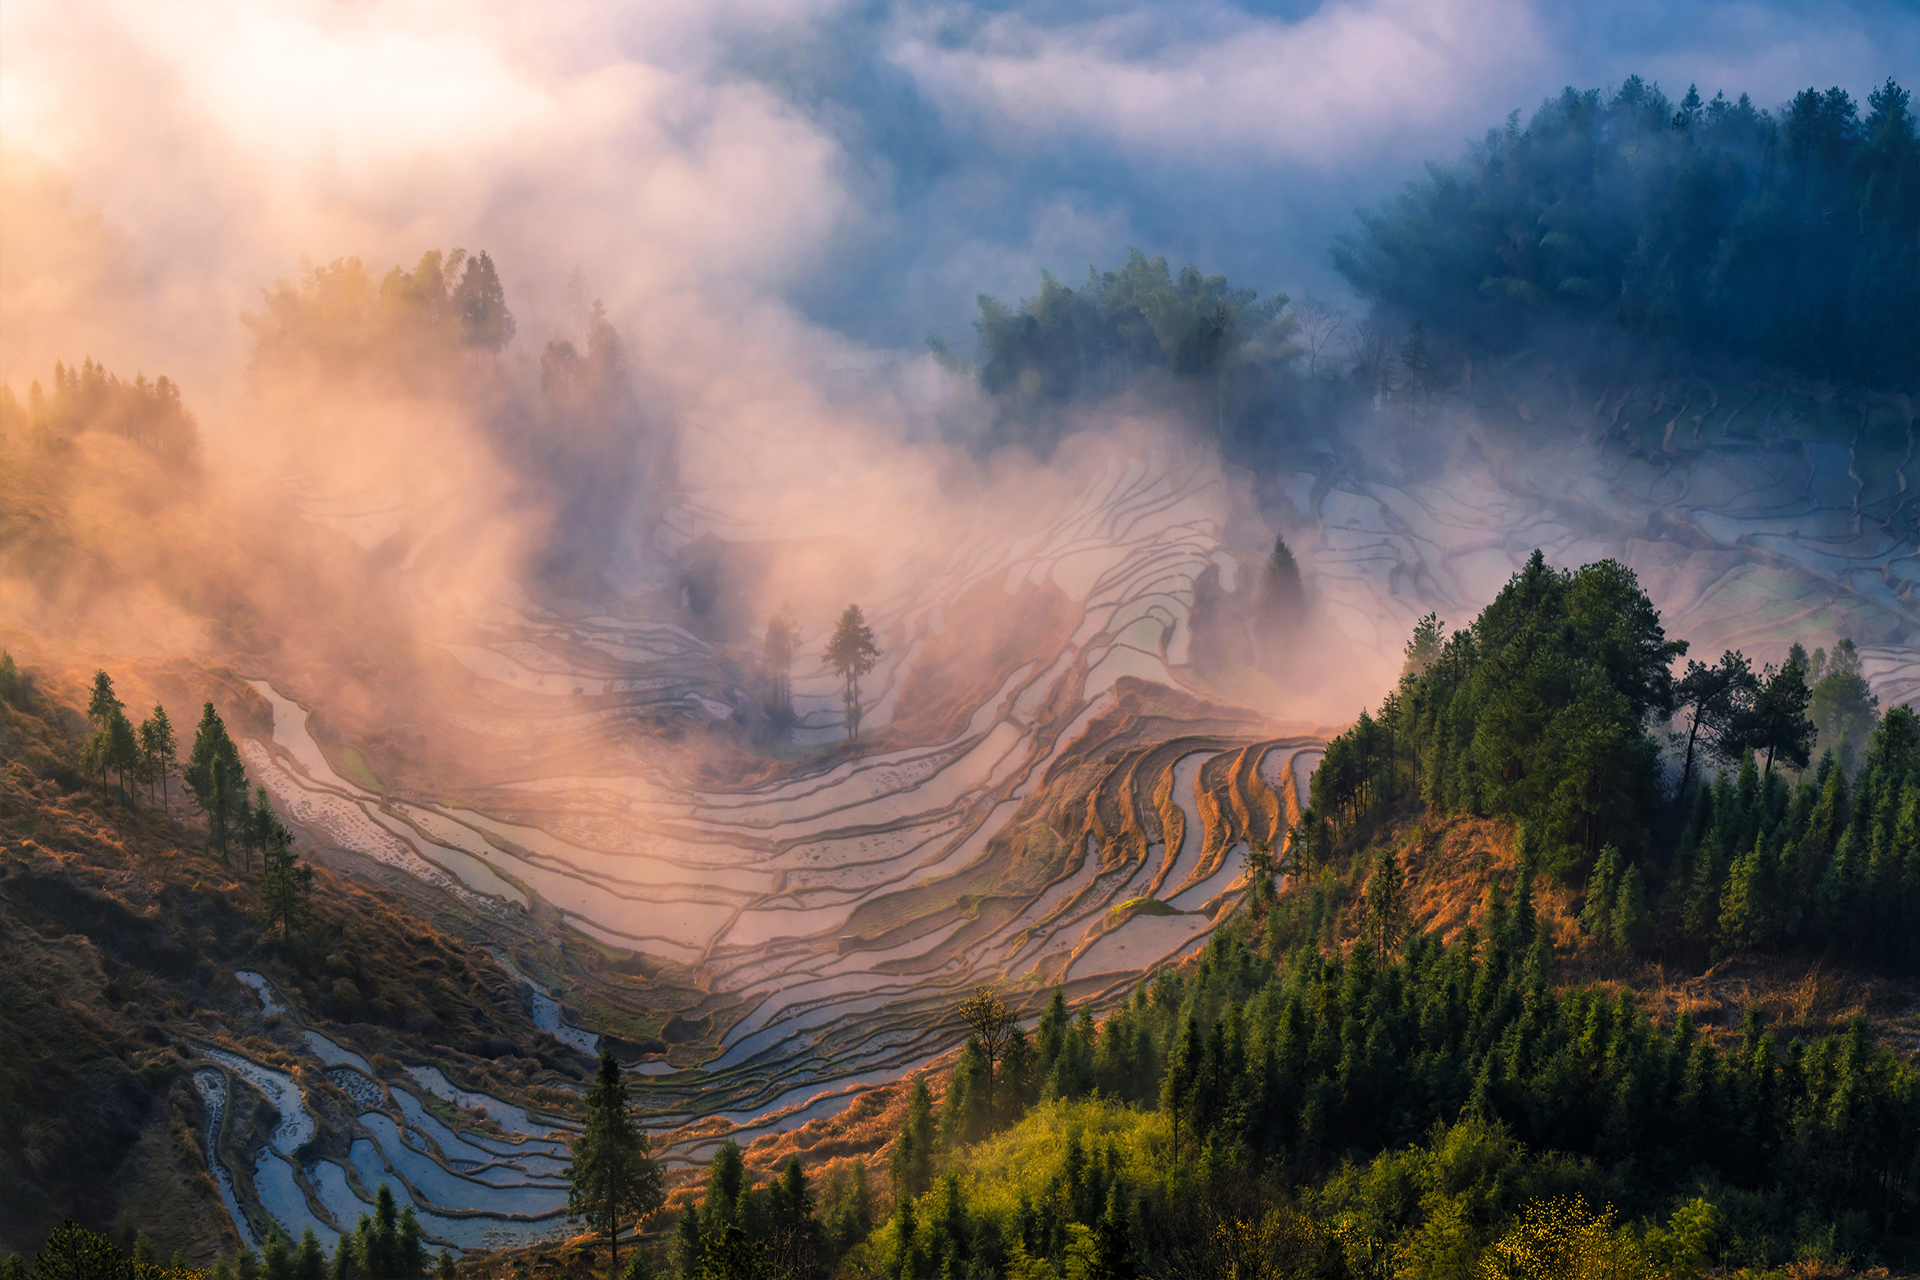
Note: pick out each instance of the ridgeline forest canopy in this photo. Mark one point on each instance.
(1702, 228)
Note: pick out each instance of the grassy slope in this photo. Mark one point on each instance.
(119, 938)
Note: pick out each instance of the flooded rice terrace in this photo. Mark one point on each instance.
(830, 913)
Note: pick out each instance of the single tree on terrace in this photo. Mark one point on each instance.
(615, 1179)
(992, 1024)
(852, 654)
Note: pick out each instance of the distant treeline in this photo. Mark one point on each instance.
(1715, 228)
(1709, 228)
(1187, 330)
(86, 397)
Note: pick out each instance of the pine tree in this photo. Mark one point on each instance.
(613, 1176)
(309, 1260)
(216, 778)
(277, 1257)
(102, 704)
(910, 1164)
(123, 749)
(1603, 886)
(158, 747)
(482, 303)
(286, 883)
(852, 652)
(1632, 922)
(1777, 721)
(1386, 906)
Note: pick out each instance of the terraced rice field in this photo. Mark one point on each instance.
(1052, 791)
(469, 1191)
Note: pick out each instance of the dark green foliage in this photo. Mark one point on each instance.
(739, 1232)
(1776, 723)
(72, 1252)
(911, 1163)
(1195, 330)
(14, 686)
(286, 883)
(1714, 227)
(1716, 699)
(1540, 711)
(158, 748)
(217, 779)
(613, 1176)
(1827, 863)
(309, 1260)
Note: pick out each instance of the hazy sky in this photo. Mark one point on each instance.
(866, 168)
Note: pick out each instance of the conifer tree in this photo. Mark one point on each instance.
(910, 1164)
(613, 1176)
(286, 883)
(309, 1261)
(216, 778)
(102, 704)
(851, 652)
(1777, 722)
(158, 746)
(1386, 906)
(1603, 887)
(123, 749)
(1632, 922)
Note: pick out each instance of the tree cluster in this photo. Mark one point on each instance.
(1714, 227)
(1830, 862)
(1335, 1113)
(1546, 710)
(1194, 329)
(86, 397)
(1542, 710)
(778, 1231)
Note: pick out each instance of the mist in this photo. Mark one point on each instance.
(490, 602)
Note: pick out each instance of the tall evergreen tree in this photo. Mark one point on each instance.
(102, 703)
(158, 746)
(613, 1176)
(286, 883)
(851, 653)
(215, 776)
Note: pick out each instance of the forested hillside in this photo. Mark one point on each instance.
(1722, 812)
(138, 875)
(1611, 231)
(1709, 228)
